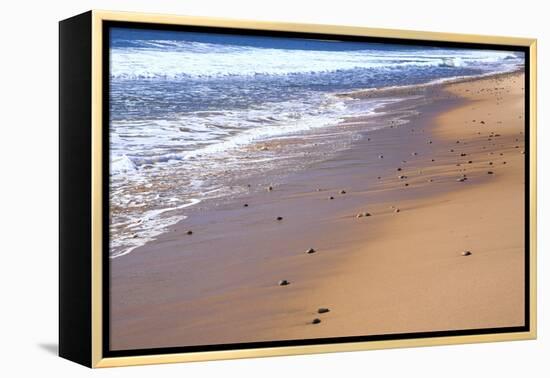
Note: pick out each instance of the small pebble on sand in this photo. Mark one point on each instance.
(279, 218)
(245, 205)
(322, 310)
(284, 283)
(316, 321)
(310, 250)
(466, 253)
(189, 232)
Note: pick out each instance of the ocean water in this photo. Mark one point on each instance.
(191, 113)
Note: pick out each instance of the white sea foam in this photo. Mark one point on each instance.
(183, 59)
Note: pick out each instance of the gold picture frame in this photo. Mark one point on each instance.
(91, 327)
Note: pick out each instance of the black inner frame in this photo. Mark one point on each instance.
(107, 352)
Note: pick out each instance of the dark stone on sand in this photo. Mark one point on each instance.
(396, 210)
(398, 169)
(402, 177)
(482, 122)
(342, 192)
(462, 154)
(322, 310)
(269, 188)
(316, 321)
(470, 162)
(489, 172)
(331, 198)
(283, 283)
(451, 150)
(245, 205)
(279, 218)
(414, 153)
(189, 232)
(433, 159)
(311, 250)
(466, 253)
(135, 236)
(462, 179)
(406, 184)
(380, 156)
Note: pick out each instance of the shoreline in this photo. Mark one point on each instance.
(260, 150)
(220, 284)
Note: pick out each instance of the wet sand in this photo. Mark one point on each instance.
(388, 272)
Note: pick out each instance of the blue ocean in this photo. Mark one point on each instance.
(190, 112)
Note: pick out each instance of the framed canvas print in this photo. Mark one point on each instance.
(235, 189)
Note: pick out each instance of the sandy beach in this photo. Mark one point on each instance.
(417, 226)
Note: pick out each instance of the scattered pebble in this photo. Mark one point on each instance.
(189, 232)
(466, 253)
(342, 192)
(396, 210)
(316, 321)
(279, 218)
(270, 188)
(322, 310)
(284, 283)
(311, 250)
(245, 205)
(489, 172)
